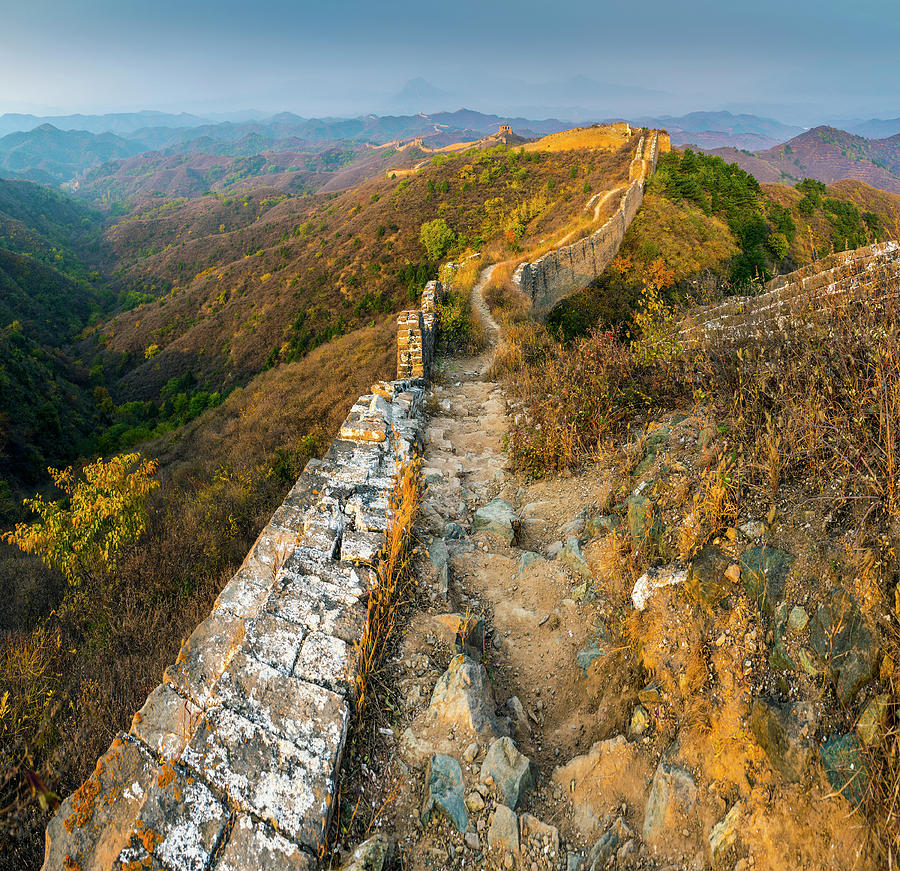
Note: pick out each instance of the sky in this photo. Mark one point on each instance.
(798, 60)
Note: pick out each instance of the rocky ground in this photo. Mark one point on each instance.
(561, 709)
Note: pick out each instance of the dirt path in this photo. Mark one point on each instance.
(534, 625)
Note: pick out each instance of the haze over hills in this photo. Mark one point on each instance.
(718, 129)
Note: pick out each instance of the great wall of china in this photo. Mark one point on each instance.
(232, 762)
(564, 270)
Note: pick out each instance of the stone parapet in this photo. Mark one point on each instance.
(872, 272)
(232, 761)
(571, 268)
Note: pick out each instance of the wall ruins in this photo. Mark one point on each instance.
(571, 268)
(873, 271)
(231, 764)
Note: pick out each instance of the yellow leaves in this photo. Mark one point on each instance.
(105, 513)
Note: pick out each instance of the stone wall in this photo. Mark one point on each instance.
(873, 271)
(231, 764)
(571, 268)
(415, 335)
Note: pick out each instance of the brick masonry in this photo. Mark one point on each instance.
(571, 268)
(232, 761)
(872, 271)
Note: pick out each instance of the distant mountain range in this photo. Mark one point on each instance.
(52, 155)
(721, 129)
(826, 154)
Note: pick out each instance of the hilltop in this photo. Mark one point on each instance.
(826, 154)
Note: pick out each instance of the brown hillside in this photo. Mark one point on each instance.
(234, 276)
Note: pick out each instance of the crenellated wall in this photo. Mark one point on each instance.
(231, 763)
(571, 268)
(873, 270)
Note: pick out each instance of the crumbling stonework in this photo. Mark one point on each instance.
(232, 761)
(415, 335)
(566, 270)
(872, 272)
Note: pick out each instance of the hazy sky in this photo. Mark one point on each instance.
(797, 59)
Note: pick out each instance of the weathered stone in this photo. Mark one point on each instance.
(462, 703)
(498, 518)
(572, 556)
(764, 571)
(639, 517)
(453, 531)
(360, 547)
(93, 825)
(307, 715)
(724, 833)
(205, 655)
(784, 734)
(655, 579)
(255, 845)
(592, 656)
(504, 831)
(371, 855)
(640, 721)
(604, 850)
(245, 594)
(521, 725)
(474, 802)
(673, 795)
(872, 723)
(650, 694)
(797, 620)
(752, 529)
(461, 630)
(274, 641)
(780, 658)
(444, 791)
(439, 556)
(329, 662)
(845, 643)
(845, 766)
(600, 524)
(179, 824)
(289, 786)
(319, 605)
(166, 722)
(706, 580)
(513, 773)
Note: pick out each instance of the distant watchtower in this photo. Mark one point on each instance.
(505, 130)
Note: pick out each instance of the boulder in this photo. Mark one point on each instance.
(513, 773)
(370, 855)
(845, 643)
(763, 571)
(706, 578)
(845, 766)
(784, 733)
(444, 792)
(503, 833)
(439, 556)
(499, 519)
(672, 799)
(572, 556)
(640, 721)
(528, 559)
(594, 652)
(655, 579)
(724, 833)
(604, 850)
(460, 630)
(873, 721)
(461, 708)
(453, 531)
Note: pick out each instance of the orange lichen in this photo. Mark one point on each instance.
(83, 800)
(70, 864)
(166, 776)
(150, 838)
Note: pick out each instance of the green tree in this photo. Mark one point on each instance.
(437, 236)
(105, 512)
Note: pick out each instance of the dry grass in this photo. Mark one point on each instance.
(394, 588)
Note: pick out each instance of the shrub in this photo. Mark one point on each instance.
(436, 236)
